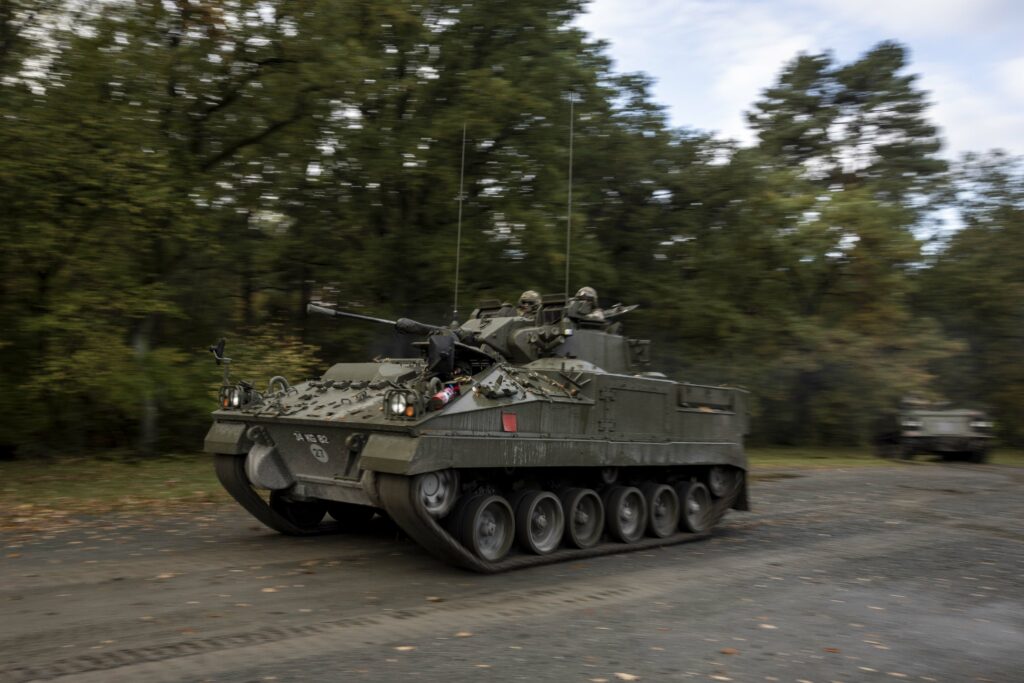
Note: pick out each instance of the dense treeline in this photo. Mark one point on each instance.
(176, 171)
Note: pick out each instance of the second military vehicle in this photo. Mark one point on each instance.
(923, 427)
(519, 437)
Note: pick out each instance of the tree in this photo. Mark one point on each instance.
(976, 285)
(844, 169)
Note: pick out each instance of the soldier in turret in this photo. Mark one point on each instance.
(529, 304)
(583, 306)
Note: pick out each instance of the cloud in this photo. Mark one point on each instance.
(921, 18)
(972, 116)
(1011, 78)
(712, 58)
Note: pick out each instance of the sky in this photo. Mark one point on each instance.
(712, 58)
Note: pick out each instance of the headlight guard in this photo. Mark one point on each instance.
(401, 404)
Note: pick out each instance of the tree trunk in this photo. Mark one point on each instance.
(149, 420)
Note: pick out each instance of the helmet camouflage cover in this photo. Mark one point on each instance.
(529, 300)
(587, 294)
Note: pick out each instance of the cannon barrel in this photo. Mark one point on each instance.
(403, 325)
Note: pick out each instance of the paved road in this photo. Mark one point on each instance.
(911, 573)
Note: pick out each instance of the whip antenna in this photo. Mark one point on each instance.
(568, 211)
(458, 239)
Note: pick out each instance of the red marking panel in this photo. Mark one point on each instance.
(509, 422)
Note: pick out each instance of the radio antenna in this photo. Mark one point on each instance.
(458, 239)
(568, 210)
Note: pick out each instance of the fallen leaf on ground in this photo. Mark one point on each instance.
(728, 651)
(768, 626)
(405, 648)
(434, 598)
(833, 650)
(463, 634)
(626, 677)
(268, 590)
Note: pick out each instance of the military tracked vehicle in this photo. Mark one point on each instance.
(514, 440)
(923, 427)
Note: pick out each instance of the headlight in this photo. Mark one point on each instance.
(911, 424)
(981, 424)
(400, 404)
(233, 397)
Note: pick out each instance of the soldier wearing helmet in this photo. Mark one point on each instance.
(529, 304)
(583, 306)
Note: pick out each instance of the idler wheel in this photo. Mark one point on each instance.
(540, 522)
(487, 526)
(695, 505)
(350, 516)
(584, 517)
(662, 510)
(306, 515)
(722, 481)
(437, 491)
(626, 514)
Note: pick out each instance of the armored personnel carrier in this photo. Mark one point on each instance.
(923, 427)
(514, 440)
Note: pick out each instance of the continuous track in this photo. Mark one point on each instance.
(231, 472)
(406, 510)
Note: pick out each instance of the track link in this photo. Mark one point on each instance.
(404, 508)
(407, 511)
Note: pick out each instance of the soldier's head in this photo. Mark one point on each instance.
(529, 303)
(588, 294)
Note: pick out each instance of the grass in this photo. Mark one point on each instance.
(813, 458)
(819, 458)
(47, 493)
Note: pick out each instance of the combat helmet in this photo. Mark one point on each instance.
(587, 294)
(529, 302)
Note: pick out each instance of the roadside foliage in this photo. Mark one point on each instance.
(176, 172)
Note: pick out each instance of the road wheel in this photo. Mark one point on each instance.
(906, 453)
(626, 515)
(539, 522)
(662, 510)
(695, 505)
(488, 526)
(349, 516)
(437, 491)
(584, 517)
(722, 481)
(305, 514)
